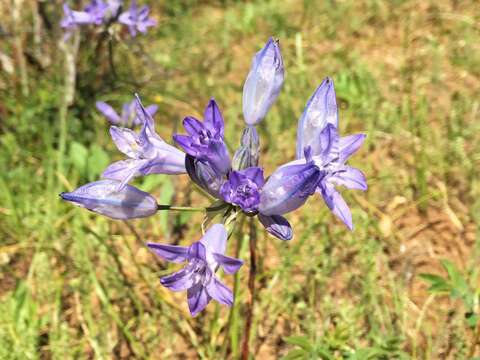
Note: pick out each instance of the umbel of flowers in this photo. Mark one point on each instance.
(237, 183)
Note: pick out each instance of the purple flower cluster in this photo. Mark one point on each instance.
(237, 185)
(98, 12)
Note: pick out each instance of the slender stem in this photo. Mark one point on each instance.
(179, 208)
(188, 208)
(110, 58)
(251, 288)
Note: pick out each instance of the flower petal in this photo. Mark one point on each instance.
(350, 177)
(229, 264)
(173, 253)
(321, 109)
(108, 112)
(197, 251)
(288, 188)
(213, 118)
(151, 109)
(126, 141)
(178, 281)
(337, 205)
(192, 125)
(220, 292)
(349, 145)
(215, 239)
(197, 298)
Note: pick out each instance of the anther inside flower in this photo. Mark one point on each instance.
(243, 188)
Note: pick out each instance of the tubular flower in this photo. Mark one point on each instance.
(205, 140)
(321, 109)
(147, 152)
(127, 117)
(104, 198)
(137, 18)
(289, 187)
(263, 83)
(198, 276)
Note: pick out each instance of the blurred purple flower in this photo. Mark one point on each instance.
(137, 18)
(243, 188)
(321, 109)
(147, 152)
(263, 83)
(198, 276)
(93, 13)
(128, 116)
(205, 140)
(104, 198)
(114, 6)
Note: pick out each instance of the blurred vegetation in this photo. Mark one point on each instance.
(76, 285)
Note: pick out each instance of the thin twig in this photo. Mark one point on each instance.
(251, 288)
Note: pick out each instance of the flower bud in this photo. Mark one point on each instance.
(264, 82)
(247, 154)
(277, 226)
(103, 198)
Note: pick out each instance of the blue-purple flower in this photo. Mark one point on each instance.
(263, 83)
(198, 276)
(94, 13)
(289, 187)
(205, 140)
(147, 152)
(243, 188)
(103, 197)
(321, 109)
(128, 116)
(137, 19)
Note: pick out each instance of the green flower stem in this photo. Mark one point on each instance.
(188, 208)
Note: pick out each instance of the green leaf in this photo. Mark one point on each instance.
(78, 155)
(438, 284)
(460, 288)
(98, 160)
(472, 320)
(296, 354)
(300, 341)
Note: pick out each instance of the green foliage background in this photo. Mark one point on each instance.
(407, 73)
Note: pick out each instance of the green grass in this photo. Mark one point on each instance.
(77, 285)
